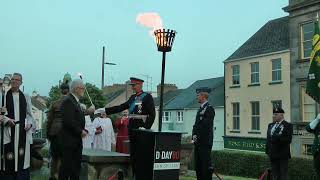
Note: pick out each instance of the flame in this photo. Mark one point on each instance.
(160, 39)
(151, 20)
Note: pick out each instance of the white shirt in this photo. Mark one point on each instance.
(16, 105)
(77, 99)
(275, 126)
(203, 104)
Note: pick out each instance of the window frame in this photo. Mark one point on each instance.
(166, 118)
(255, 118)
(303, 41)
(180, 116)
(276, 70)
(235, 117)
(255, 73)
(234, 76)
(302, 104)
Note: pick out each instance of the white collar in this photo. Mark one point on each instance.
(203, 104)
(280, 121)
(77, 99)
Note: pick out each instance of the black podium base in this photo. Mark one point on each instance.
(157, 155)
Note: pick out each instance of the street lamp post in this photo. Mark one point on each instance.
(164, 40)
(103, 63)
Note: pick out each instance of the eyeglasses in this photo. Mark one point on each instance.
(14, 79)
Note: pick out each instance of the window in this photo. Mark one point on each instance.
(308, 106)
(276, 104)
(166, 116)
(307, 31)
(254, 73)
(255, 116)
(180, 116)
(307, 149)
(276, 70)
(235, 74)
(236, 116)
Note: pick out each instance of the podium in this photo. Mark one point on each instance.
(157, 154)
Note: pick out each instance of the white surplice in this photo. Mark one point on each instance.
(106, 139)
(28, 121)
(88, 140)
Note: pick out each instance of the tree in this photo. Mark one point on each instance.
(96, 96)
(54, 95)
(95, 93)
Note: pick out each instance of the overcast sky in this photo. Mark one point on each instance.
(44, 39)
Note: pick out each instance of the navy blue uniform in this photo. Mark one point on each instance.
(203, 129)
(141, 104)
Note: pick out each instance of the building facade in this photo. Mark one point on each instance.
(257, 79)
(302, 14)
(180, 113)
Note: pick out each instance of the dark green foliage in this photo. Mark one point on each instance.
(95, 93)
(96, 96)
(247, 164)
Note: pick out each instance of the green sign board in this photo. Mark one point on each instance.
(245, 143)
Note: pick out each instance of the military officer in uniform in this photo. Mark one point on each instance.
(140, 103)
(279, 137)
(314, 127)
(202, 135)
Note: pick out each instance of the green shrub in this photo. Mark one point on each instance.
(45, 152)
(252, 165)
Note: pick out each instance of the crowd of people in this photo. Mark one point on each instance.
(98, 132)
(72, 127)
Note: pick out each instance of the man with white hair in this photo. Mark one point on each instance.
(73, 130)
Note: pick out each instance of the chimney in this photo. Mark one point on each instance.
(166, 88)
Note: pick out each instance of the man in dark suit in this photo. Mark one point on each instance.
(53, 128)
(202, 135)
(140, 103)
(73, 123)
(279, 136)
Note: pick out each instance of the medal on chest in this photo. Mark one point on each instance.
(139, 106)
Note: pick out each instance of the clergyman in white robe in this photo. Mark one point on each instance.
(106, 139)
(29, 124)
(88, 139)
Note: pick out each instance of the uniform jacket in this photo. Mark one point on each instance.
(203, 126)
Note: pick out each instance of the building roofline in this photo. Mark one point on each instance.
(299, 5)
(256, 56)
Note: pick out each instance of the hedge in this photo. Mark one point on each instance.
(252, 165)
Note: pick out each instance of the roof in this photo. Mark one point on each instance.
(272, 37)
(167, 97)
(36, 103)
(113, 95)
(298, 4)
(187, 98)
